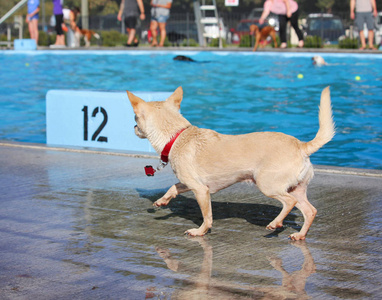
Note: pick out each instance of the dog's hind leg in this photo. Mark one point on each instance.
(273, 35)
(308, 211)
(288, 202)
(203, 197)
(87, 41)
(174, 191)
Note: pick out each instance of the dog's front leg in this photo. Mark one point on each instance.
(257, 42)
(174, 191)
(203, 197)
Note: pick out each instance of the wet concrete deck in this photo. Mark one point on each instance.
(80, 225)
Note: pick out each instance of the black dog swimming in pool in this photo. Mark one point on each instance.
(183, 58)
(188, 59)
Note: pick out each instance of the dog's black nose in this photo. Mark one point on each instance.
(135, 126)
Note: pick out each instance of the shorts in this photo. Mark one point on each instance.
(58, 27)
(34, 17)
(131, 22)
(160, 18)
(362, 18)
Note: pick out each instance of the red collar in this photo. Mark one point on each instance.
(166, 150)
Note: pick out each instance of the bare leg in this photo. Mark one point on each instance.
(371, 39)
(30, 29)
(131, 36)
(162, 29)
(153, 29)
(31, 32)
(35, 30)
(202, 195)
(174, 191)
(362, 38)
(60, 40)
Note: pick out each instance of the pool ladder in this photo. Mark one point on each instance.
(207, 20)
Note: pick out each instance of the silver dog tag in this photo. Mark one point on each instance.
(161, 165)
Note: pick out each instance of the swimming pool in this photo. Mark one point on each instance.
(231, 92)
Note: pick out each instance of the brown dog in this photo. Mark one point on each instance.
(87, 34)
(262, 35)
(205, 161)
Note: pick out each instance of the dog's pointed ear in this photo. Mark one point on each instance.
(176, 97)
(136, 103)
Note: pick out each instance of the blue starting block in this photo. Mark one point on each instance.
(95, 119)
(24, 45)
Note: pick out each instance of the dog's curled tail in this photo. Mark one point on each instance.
(327, 129)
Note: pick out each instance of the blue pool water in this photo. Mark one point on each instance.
(229, 92)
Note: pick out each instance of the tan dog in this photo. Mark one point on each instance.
(319, 61)
(262, 35)
(205, 161)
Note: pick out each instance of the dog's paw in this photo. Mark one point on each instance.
(160, 203)
(274, 225)
(194, 232)
(297, 236)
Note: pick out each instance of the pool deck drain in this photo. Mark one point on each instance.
(79, 223)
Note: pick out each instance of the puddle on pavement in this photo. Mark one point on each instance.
(117, 242)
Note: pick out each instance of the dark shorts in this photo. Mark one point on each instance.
(131, 22)
(58, 27)
(362, 18)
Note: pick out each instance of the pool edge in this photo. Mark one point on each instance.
(132, 154)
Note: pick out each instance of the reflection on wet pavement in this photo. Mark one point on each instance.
(69, 232)
(292, 286)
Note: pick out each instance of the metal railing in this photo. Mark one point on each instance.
(17, 24)
(181, 27)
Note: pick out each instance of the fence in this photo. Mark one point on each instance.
(181, 27)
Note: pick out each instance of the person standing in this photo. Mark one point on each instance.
(160, 12)
(365, 9)
(131, 9)
(70, 19)
(59, 16)
(32, 18)
(287, 10)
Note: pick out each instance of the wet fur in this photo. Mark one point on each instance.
(319, 61)
(183, 58)
(205, 161)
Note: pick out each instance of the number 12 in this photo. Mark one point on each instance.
(101, 126)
